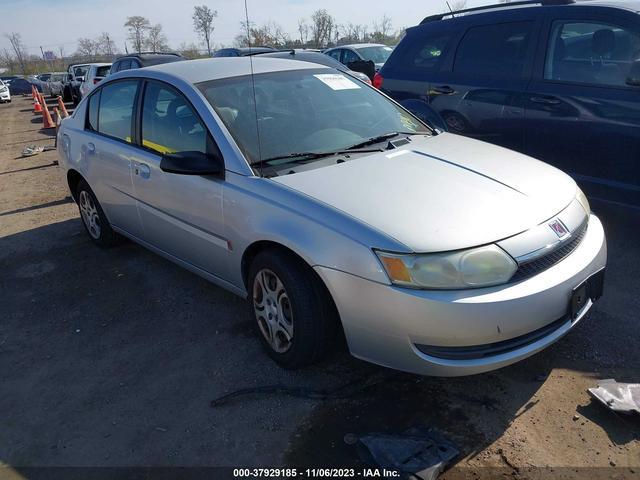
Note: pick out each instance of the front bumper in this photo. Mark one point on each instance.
(386, 325)
(5, 96)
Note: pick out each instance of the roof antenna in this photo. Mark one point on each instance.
(449, 7)
(253, 84)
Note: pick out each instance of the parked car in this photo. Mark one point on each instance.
(56, 84)
(5, 95)
(559, 81)
(40, 80)
(19, 86)
(94, 75)
(140, 60)
(374, 52)
(242, 51)
(72, 81)
(316, 56)
(326, 203)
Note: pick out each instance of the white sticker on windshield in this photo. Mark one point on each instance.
(336, 81)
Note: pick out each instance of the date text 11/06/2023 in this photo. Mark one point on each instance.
(315, 473)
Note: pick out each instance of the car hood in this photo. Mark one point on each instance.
(441, 193)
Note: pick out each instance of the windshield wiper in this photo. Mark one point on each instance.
(302, 156)
(378, 139)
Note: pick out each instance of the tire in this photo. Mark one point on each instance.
(303, 317)
(93, 218)
(456, 123)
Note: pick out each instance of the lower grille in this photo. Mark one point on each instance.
(533, 267)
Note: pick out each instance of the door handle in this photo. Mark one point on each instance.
(545, 100)
(91, 148)
(442, 90)
(142, 170)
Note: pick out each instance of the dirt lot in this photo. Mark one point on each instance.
(111, 358)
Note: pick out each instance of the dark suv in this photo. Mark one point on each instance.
(140, 60)
(557, 80)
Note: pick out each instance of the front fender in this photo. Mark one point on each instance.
(258, 209)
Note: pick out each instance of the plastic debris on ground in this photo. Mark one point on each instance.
(619, 397)
(418, 453)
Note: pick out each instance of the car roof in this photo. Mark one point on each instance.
(149, 55)
(631, 5)
(355, 46)
(202, 70)
(313, 56)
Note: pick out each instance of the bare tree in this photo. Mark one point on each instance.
(203, 24)
(8, 60)
(189, 50)
(87, 48)
(138, 27)
(156, 40)
(19, 50)
(105, 45)
(322, 26)
(303, 30)
(267, 34)
(383, 26)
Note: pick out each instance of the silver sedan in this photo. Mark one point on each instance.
(335, 211)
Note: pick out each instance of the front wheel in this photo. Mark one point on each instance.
(93, 218)
(294, 313)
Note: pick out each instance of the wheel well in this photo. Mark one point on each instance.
(73, 179)
(255, 248)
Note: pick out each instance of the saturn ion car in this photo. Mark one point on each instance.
(335, 211)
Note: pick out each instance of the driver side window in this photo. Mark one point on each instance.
(169, 123)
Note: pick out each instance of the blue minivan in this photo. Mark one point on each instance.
(556, 79)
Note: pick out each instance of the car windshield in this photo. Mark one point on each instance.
(375, 54)
(102, 71)
(315, 110)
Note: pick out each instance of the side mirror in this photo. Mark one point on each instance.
(192, 163)
(633, 79)
(80, 79)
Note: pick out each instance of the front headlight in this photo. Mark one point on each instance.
(3, 89)
(582, 198)
(475, 268)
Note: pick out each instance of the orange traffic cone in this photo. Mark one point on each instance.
(62, 108)
(33, 92)
(47, 122)
(37, 108)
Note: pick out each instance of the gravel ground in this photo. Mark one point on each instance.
(112, 357)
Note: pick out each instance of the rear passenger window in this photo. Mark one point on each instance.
(424, 53)
(92, 116)
(169, 123)
(494, 50)
(591, 52)
(116, 109)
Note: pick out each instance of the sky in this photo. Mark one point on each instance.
(53, 24)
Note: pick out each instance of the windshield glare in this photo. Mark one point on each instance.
(375, 54)
(303, 111)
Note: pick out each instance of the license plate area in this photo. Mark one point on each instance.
(591, 289)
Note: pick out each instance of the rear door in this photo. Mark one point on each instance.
(477, 94)
(581, 115)
(107, 152)
(181, 214)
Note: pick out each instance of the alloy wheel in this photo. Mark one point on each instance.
(273, 310)
(90, 215)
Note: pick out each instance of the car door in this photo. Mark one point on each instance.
(581, 115)
(181, 214)
(107, 152)
(477, 93)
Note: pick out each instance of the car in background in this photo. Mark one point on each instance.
(367, 52)
(19, 86)
(56, 84)
(39, 80)
(556, 80)
(72, 82)
(8, 78)
(242, 51)
(5, 94)
(332, 209)
(141, 60)
(96, 73)
(316, 56)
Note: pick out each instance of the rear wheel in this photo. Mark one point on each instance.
(93, 218)
(294, 313)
